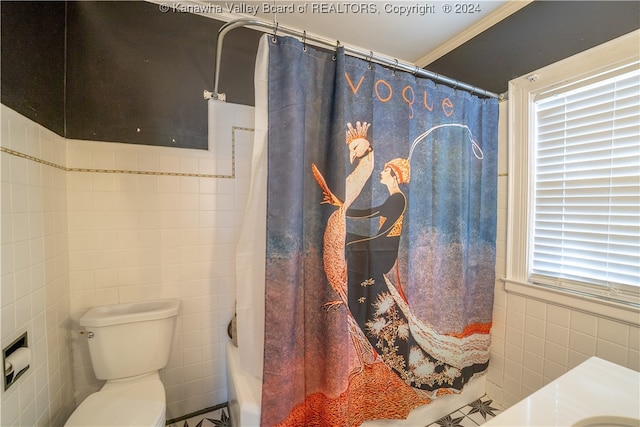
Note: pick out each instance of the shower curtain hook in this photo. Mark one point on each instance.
(275, 32)
(395, 67)
(304, 40)
(369, 59)
(415, 71)
(335, 55)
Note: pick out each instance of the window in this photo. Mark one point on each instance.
(574, 212)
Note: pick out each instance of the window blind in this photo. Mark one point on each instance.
(586, 198)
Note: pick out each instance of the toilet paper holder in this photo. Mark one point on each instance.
(12, 373)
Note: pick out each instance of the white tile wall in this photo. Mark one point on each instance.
(534, 342)
(83, 236)
(136, 237)
(34, 272)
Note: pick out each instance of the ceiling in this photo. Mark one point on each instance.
(413, 32)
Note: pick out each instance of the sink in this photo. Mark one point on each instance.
(596, 393)
(608, 421)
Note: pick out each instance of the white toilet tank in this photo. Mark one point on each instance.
(127, 340)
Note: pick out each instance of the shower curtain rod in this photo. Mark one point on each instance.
(370, 56)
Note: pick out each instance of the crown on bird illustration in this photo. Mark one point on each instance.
(401, 168)
(360, 131)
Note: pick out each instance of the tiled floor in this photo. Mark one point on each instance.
(217, 418)
(474, 414)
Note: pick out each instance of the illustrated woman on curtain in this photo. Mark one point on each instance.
(369, 257)
(335, 264)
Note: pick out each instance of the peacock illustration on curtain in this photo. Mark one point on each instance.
(380, 239)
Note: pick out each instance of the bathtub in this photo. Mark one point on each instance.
(244, 393)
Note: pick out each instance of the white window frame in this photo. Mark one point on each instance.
(521, 137)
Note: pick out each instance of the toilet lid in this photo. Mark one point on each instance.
(138, 404)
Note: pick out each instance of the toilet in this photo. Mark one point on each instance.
(128, 344)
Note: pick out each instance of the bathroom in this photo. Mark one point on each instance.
(74, 236)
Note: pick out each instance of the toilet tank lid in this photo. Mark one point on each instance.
(114, 314)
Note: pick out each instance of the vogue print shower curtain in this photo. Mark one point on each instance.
(381, 226)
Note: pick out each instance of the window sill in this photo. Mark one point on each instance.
(598, 307)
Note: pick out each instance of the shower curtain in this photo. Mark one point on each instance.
(380, 237)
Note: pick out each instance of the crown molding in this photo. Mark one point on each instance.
(509, 8)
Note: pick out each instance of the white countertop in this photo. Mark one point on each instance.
(594, 388)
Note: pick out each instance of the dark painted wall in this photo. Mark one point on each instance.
(539, 34)
(137, 74)
(134, 73)
(32, 39)
(130, 66)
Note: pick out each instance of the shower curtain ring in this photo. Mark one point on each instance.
(416, 70)
(395, 67)
(369, 59)
(335, 55)
(304, 41)
(275, 32)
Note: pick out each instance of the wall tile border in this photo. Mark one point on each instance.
(136, 172)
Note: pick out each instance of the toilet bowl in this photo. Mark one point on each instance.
(129, 403)
(128, 344)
